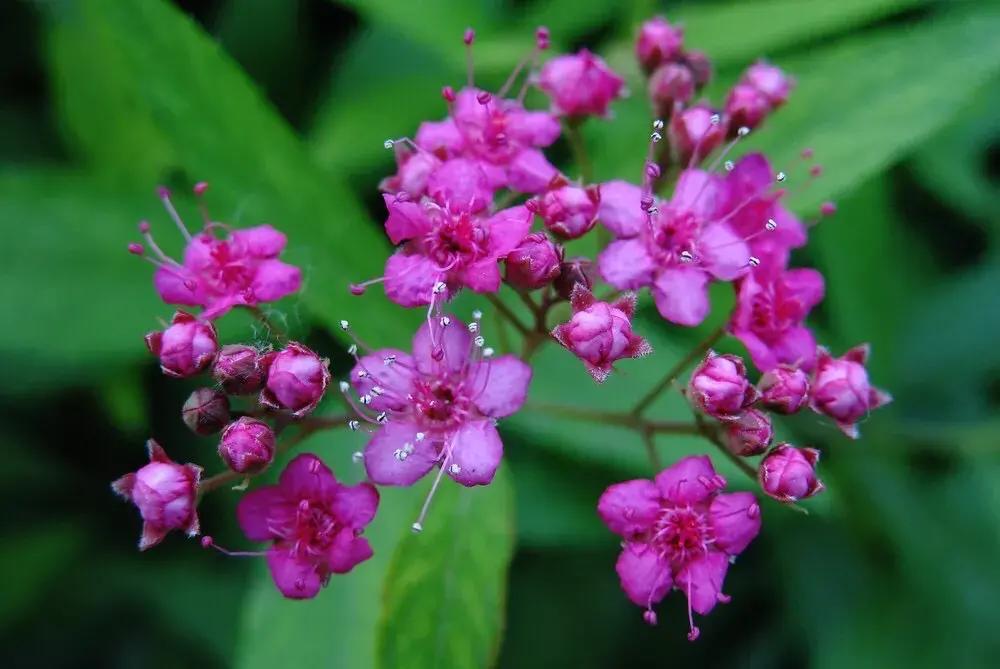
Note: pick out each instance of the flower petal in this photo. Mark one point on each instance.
(735, 519)
(347, 551)
(482, 276)
(454, 339)
(410, 278)
(690, 480)
(500, 385)
(407, 219)
(644, 575)
(626, 264)
(394, 380)
(723, 252)
(307, 477)
(176, 286)
(383, 465)
(702, 193)
(534, 128)
(256, 507)
(620, 210)
(274, 280)
(701, 580)
(355, 505)
(681, 295)
(262, 241)
(530, 171)
(295, 579)
(630, 508)
(507, 228)
(476, 451)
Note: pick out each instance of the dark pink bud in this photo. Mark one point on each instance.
(700, 66)
(542, 38)
(696, 130)
(816, 171)
(136, 249)
(828, 209)
(784, 389)
(484, 98)
(206, 411)
(746, 107)
(769, 80)
(653, 172)
(658, 42)
(185, 348)
(580, 84)
(247, 445)
(841, 390)
(670, 85)
(237, 369)
(165, 494)
(200, 188)
(448, 93)
(719, 386)
(162, 192)
(534, 263)
(572, 273)
(649, 615)
(358, 288)
(570, 211)
(808, 153)
(750, 434)
(296, 380)
(788, 474)
(469, 37)
(144, 227)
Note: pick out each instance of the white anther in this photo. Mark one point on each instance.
(479, 341)
(388, 143)
(658, 124)
(344, 325)
(400, 454)
(477, 315)
(654, 210)
(366, 399)
(445, 321)
(656, 137)
(743, 131)
(473, 327)
(352, 349)
(408, 448)
(357, 456)
(353, 425)
(488, 352)
(454, 469)
(417, 528)
(377, 390)
(344, 386)
(420, 436)
(754, 261)
(780, 176)
(686, 256)
(382, 418)
(715, 119)
(362, 374)
(389, 360)
(439, 287)
(771, 225)
(728, 165)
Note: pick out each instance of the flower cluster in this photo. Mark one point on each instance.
(475, 203)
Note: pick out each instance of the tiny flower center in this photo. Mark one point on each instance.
(676, 232)
(682, 533)
(440, 402)
(456, 240)
(314, 529)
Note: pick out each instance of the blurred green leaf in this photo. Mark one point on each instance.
(446, 588)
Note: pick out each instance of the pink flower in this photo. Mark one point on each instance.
(580, 84)
(438, 406)
(769, 316)
(788, 474)
(237, 369)
(695, 132)
(746, 107)
(680, 532)
(296, 380)
(719, 386)
(185, 348)
(165, 494)
(769, 80)
(784, 389)
(247, 445)
(450, 246)
(840, 389)
(675, 249)
(206, 411)
(658, 43)
(314, 522)
(569, 211)
(670, 85)
(534, 263)
(750, 434)
(600, 333)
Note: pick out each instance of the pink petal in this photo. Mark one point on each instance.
(482, 276)
(274, 280)
(735, 519)
(262, 241)
(681, 295)
(216, 307)
(630, 508)
(151, 536)
(507, 228)
(533, 128)
(295, 579)
(476, 451)
(752, 175)
(395, 380)
(701, 580)
(410, 278)
(723, 252)
(702, 193)
(530, 172)
(461, 184)
(454, 339)
(307, 477)
(443, 135)
(620, 210)
(500, 385)
(355, 505)
(256, 507)
(690, 480)
(176, 286)
(406, 219)
(347, 551)
(644, 575)
(804, 285)
(626, 264)
(797, 346)
(384, 467)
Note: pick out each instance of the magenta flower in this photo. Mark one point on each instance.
(186, 347)
(600, 333)
(670, 85)
(315, 523)
(719, 386)
(447, 245)
(784, 389)
(679, 532)
(205, 411)
(750, 434)
(746, 107)
(247, 445)
(675, 249)
(769, 80)
(165, 494)
(569, 211)
(658, 42)
(788, 474)
(769, 316)
(840, 389)
(438, 406)
(695, 132)
(534, 263)
(238, 370)
(580, 84)
(296, 379)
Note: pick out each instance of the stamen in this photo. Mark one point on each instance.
(694, 632)
(136, 249)
(199, 191)
(169, 206)
(145, 230)
(418, 526)
(209, 542)
(469, 37)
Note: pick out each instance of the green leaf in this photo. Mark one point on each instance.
(446, 588)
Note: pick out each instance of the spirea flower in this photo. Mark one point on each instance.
(237, 368)
(695, 132)
(600, 333)
(669, 86)
(788, 474)
(296, 379)
(580, 84)
(841, 390)
(570, 211)
(719, 386)
(749, 434)
(206, 411)
(770, 80)
(658, 42)
(534, 263)
(784, 389)
(247, 445)
(186, 347)
(679, 532)
(314, 522)
(165, 494)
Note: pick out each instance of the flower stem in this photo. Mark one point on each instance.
(273, 329)
(617, 418)
(579, 149)
(677, 370)
(505, 311)
(654, 458)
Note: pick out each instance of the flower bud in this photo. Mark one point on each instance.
(296, 380)
(658, 43)
(570, 211)
(701, 68)
(788, 474)
(185, 348)
(750, 434)
(784, 389)
(719, 386)
(534, 263)
(841, 390)
(247, 445)
(580, 84)
(237, 369)
(670, 85)
(696, 130)
(771, 81)
(165, 493)
(746, 107)
(572, 273)
(206, 411)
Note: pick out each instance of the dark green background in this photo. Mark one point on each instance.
(283, 106)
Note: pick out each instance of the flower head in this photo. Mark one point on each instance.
(840, 389)
(314, 522)
(296, 379)
(658, 42)
(569, 211)
(771, 81)
(534, 263)
(164, 492)
(186, 347)
(784, 389)
(670, 85)
(580, 84)
(238, 370)
(788, 474)
(600, 333)
(679, 532)
(719, 386)
(695, 132)
(205, 411)
(750, 434)
(247, 445)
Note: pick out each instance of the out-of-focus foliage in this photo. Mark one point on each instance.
(283, 106)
